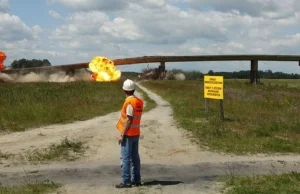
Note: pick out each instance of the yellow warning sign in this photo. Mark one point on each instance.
(213, 87)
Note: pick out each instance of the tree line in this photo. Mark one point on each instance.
(243, 74)
(25, 63)
(268, 74)
(190, 75)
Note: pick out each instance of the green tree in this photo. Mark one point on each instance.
(25, 63)
(210, 72)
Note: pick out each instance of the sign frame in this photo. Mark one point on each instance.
(213, 87)
(214, 90)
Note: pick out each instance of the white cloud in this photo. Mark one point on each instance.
(119, 28)
(12, 28)
(55, 15)
(156, 27)
(18, 40)
(265, 8)
(37, 31)
(81, 24)
(88, 5)
(150, 4)
(170, 25)
(107, 5)
(286, 45)
(4, 5)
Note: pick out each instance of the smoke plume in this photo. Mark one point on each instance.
(61, 76)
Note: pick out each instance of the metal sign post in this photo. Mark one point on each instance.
(214, 89)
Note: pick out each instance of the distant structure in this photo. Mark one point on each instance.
(162, 60)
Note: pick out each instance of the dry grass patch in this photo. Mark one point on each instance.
(67, 150)
(264, 184)
(30, 188)
(5, 155)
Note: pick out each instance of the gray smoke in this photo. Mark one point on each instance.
(61, 76)
(5, 78)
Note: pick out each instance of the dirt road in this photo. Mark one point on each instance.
(171, 163)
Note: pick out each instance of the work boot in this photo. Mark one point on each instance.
(122, 185)
(137, 184)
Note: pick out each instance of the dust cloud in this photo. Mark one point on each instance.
(5, 78)
(60, 76)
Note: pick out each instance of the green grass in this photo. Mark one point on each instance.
(5, 155)
(151, 104)
(37, 188)
(293, 83)
(30, 105)
(258, 118)
(66, 150)
(282, 82)
(266, 184)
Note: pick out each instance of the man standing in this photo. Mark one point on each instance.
(129, 127)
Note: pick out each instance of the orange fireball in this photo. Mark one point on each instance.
(104, 70)
(2, 59)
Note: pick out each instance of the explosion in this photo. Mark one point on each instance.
(104, 70)
(2, 59)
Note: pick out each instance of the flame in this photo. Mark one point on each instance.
(2, 59)
(104, 70)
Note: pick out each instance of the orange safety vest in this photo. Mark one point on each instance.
(137, 105)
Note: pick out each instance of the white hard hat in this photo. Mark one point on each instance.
(128, 85)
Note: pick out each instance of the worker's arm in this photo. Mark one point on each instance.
(127, 124)
(129, 120)
(126, 127)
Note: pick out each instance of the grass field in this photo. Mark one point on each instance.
(30, 188)
(264, 184)
(258, 119)
(282, 82)
(29, 105)
(275, 82)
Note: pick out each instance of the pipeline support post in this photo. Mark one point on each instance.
(70, 72)
(162, 70)
(254, 78)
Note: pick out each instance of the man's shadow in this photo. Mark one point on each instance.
(163, 183)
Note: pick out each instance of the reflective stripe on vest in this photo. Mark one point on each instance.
(137, 105)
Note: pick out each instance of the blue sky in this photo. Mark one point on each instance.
(33, 13)
(67, 31)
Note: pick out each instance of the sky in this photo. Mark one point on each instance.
(74, 31)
